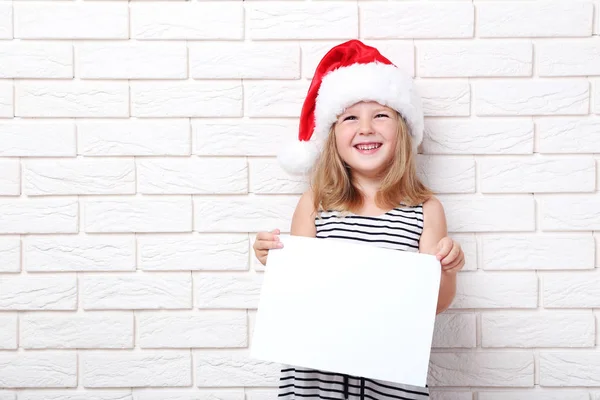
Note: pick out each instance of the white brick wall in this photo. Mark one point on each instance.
(137, 161)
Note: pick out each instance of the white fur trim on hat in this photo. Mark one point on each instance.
(298, 157)
(382, 83)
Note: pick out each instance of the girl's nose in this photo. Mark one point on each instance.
(365, 127)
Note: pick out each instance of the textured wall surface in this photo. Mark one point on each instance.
(137, 144)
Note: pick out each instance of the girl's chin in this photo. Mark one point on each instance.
(367, 169)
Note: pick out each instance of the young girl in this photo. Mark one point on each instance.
(360, 127)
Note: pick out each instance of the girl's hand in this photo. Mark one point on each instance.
(264, 242)
(450, 255)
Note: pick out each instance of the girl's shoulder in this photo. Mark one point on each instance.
(306, 202)
(433, 210)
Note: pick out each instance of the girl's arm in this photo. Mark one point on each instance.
(303, 221)
(434, 229)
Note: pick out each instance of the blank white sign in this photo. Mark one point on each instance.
(348, 308)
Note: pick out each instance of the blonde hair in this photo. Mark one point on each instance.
(333, 188)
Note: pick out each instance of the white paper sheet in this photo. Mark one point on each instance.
(349, 308)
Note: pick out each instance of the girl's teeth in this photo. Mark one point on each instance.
(368, 147)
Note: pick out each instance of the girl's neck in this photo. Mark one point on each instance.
(368, 186)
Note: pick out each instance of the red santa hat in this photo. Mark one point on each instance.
(349, 73)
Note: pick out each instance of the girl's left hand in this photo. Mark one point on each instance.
(450, 255)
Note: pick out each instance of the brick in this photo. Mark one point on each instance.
(185, 20)
(75, 395)
(274, 99)
(244, 60)
(534, 97)
(48, 369)
(596, 24)
(444, 394)
(568, 135)
(581, 290)
(37, 139)
(441, 98)
(569, 369)
(139, 369)
(79, 176)
(233, 368)
(71, 20)
(261, 394)
(241, 137)
(496, 290)
(537, 252)
(447, 174)
(379, 20)
(537, 174)
(39, 215)
(8, 332)
(205, 329)
(137, 291)
(73, 331)
(243, 214)
(36, 60)
(71, 99)
(529, 19)
(475, 59)
(580, 215)
(6, 20)
(38, 292)
(568, 58)
(8, 395)
(169, 137)
(132, 60)
(302, 21)
(202, 394)
(207, 252)
(534, 395)
(399, 52)
(267, 176)
(478, 136)
(10, 177)
(514, 369)
(596, 96)
(455, 330)
(538, 329)
(191, 176)
(59, 253)
(472, 213)
(216, 290)
(10, 254)
(6, 100)
(186, 99)
(135, 214)
(597, 238)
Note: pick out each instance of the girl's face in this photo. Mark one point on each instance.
(366, 135)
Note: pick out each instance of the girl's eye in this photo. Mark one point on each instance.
(381, 115)
(350, 117)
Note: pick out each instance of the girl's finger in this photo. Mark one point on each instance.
(457, 264)
(452, 255)
(444, 247)
(269, 244)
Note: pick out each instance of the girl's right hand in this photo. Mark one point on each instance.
(264, 242)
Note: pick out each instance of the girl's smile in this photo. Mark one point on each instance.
(368, 147)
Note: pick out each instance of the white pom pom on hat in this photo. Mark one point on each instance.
(349, 73)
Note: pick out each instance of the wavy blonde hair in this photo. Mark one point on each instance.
(333, 188)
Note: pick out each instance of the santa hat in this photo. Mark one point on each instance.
(349, 73)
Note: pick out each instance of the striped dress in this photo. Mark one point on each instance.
(398, 229)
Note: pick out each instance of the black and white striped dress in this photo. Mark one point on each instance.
(398, 229)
